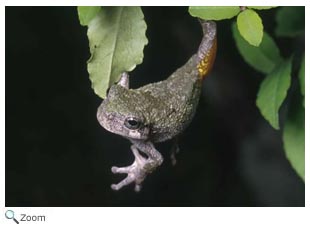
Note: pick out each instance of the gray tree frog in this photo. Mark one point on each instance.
(158, 111)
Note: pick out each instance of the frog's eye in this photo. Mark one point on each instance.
(132, 123)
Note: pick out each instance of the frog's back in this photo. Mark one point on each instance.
(178, 96)
(172, 102)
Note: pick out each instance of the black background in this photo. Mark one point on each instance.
(57, 154)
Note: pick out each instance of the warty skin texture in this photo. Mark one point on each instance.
(158, 111)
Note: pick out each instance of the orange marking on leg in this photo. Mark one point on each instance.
(206, 64)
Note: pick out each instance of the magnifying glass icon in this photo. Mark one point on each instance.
(9, 214)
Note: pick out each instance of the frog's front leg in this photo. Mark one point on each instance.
(141, 166)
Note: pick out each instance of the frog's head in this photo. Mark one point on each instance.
(122, 113)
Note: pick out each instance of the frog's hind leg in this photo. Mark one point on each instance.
(175, 149)
(207, 49)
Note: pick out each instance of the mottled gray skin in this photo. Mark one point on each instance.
(161, 110)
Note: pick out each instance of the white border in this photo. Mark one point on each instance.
(165, 216)
(2, 110)
(154, 216)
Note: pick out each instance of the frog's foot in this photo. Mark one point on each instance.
(135, 172)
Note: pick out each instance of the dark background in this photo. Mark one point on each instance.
(57, 154)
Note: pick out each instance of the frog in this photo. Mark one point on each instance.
(158, 111)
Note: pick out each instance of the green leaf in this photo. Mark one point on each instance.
(290, 21)
(272, 92)
(261, 7)
(250, 26)
(263, 58)
(294, 140)
(301, 77)
(214, 12)
(87, 13)
(116, 39)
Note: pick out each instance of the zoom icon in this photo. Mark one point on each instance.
(9, 214)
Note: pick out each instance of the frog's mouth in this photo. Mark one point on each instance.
(107, 121)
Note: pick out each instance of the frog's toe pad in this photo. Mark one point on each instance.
(129, 179)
